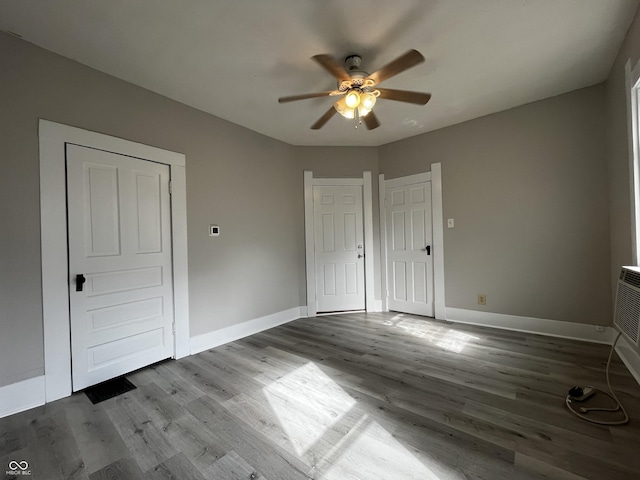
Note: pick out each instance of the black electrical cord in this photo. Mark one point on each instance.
(582, 411)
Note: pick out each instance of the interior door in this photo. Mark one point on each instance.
(120, 285)
(339, 248)
(409, 245)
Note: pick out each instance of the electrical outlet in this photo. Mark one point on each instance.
(599, 328)
(482, 299)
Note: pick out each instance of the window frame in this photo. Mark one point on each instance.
(633, 124)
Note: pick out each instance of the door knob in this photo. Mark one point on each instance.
(80, 282)
(428, 249)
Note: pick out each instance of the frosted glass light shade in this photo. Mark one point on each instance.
(368, 100)
(352, 99)
(342, 108)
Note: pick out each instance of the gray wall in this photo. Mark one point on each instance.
(527, 189)
(245, 182)
(249, 184)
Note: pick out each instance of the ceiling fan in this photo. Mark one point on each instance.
(358, 90)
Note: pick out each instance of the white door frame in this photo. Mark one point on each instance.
(369, 251)
(53, 138)
(435, 177)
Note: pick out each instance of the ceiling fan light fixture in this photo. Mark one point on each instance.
(357, 88)
(352, 99)
(344, 110)
(368, 99)
(362, 110)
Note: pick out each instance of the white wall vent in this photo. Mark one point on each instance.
(627, 311)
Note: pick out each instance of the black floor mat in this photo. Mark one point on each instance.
(109, 389)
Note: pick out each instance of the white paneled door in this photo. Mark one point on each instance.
(120, 284)
(339, 248)
(409, 245)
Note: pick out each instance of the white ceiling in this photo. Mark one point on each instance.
(234, 58)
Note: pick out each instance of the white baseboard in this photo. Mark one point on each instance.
(630, 356)
(377, 305)
(541, 326)
(228, 334)
(21, 396)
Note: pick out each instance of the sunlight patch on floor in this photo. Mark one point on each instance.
(444, 337)
(307, 403)
(455, 341)
(309, 406)
(371, 452)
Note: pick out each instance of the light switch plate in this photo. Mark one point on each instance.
(214, 231)
(450, 223)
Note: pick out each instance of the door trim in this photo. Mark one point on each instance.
(435, 177)
(369, 250)
(53, 224)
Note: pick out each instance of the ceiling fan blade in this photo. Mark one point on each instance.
(332, 66)
(324, 118)
(371, 121)
(419, 98)
(400, 64)
(304, 96)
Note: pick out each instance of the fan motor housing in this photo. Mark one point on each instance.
(352, 66)
(352, 62)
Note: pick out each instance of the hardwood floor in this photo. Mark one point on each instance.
(361, 396)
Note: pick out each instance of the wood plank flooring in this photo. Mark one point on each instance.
(356, 396)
